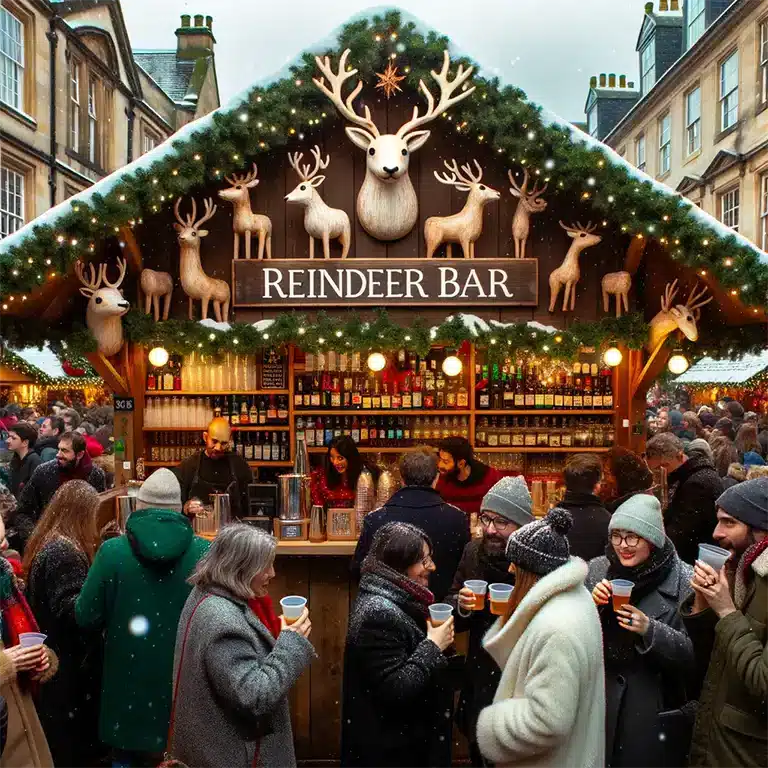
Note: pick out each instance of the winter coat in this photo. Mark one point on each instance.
(690, 517)
(21, 471)
(447, 526)
(589, 534)
(468, 495)
(233, 685)
(732, 715)
(395, 697)
(26, 746)
(644, 694)
(68, 704)
(549, 708)
(47, 447)
(135, 591)
(481, 672)
(43, 484)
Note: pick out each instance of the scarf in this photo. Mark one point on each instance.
(265, 612)
(16, 614)
(618, 642)
(421, 597)
(81, 472)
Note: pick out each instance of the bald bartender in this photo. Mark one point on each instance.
(215, 469)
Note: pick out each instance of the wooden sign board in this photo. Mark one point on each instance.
(385, 282)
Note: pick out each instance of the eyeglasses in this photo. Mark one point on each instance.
(631, 539)
(499, 523)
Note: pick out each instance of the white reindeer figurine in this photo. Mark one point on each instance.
(245, 222)
(616, 284)
(195, 283)
(680, 317)
(320, 220)
(154, 285)
(466, 226)
(530, 202)
(106, 306)
(387, 206)
(568, 273)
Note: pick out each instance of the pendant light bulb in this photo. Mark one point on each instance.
(376, 361)
(158, 356)
(612, 357)
(678, 363)
(452, 366)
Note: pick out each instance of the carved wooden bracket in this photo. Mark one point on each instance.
(651, 370)
(107, 371)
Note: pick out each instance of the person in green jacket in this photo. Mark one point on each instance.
(135, 591)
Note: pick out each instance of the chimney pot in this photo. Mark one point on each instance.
(663, 5)
(631, 84)
(593, 81)
(209, 22)
(602, 80)
(611, 80)
(649, 8)
(185, 20)
(674, 5)
(198, 20)
(622, 81)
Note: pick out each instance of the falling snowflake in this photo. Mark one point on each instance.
(662, 736)
(138, 626)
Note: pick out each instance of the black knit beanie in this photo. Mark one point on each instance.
(542, 546)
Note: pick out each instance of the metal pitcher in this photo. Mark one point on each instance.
(221, 508)
(295, 497)
(301, 462)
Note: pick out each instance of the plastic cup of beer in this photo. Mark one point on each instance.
(293, 607)
(31, 639)
(439, 613)
(621, 590)
(479, 589)
(713, 556)
(500, 595)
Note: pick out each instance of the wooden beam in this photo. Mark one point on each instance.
(651, 370)
(106, 370)
(635, 254)
(132, 250)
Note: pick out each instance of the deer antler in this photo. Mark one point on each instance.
(470, 177)
(670, 291)
(521, 188)
(121, 265)
(303, 171)
(446, 100)
(242, 178)
(187, 221)
(693, 303)
(456, 177)
(294, 160)
(337, 80)
(94, 281)
(535, 192)
(210, 210)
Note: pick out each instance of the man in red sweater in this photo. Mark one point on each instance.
(463, 480)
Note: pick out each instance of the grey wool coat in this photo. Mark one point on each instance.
(233, 683)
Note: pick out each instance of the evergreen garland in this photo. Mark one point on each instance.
(15, 362)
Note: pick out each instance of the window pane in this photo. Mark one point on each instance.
(11, 201)
(729, 74)
(694, 105)
(11, 59)
(729, 209)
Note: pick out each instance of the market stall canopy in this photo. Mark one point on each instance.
(41, 366)
(739, 372)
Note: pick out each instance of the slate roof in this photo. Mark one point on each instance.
(710, 371)
(172, 74)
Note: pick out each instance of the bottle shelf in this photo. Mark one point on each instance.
(250, 463)
(235, 428)
(222, 393)
(400, 412)
(373, 449)
(540, 449)
(542, 412)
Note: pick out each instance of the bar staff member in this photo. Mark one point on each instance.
(215, 469)
(463, 480)
(335, 483)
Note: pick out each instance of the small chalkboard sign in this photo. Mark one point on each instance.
(273, 370)
(123, 404)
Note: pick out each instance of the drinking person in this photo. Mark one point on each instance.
(648, 654)
(505, 508)
(394, 700)
(235, 660)
(549, 708)
(334, 484)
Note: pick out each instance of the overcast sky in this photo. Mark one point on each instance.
(549, 48)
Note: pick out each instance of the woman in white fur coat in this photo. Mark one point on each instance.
(549, 708)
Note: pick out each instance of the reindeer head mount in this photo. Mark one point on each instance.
(188, 228)
(530, 200)
(239, 184)
(309, 175)
(104, 297)
(467, 180)
(583, 237)
(685, 316)
(388, 155)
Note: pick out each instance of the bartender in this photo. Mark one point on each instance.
(215, 469)
(334, 484)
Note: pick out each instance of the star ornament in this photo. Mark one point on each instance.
(389, 79)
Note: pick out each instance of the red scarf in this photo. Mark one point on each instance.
(751, 555)
(264, 611)
(16, 613)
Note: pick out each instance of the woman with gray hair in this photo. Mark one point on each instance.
(235, 659)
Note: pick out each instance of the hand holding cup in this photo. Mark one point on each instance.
(443, 635)
(466, 599)
(301, 626)
(601, 594)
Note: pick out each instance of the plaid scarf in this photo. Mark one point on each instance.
(420, 597)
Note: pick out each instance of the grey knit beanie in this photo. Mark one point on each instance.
(511, 499)
(699, 445)
(747, 502)
(542, 546)
(640, 514)
(161, 490)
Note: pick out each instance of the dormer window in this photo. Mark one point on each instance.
(696, 20)
(592, 121)
(648, 66)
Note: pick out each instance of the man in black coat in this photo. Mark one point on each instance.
(21, 441)
(420, 504)
(694, 487)
(504, 509)
(589, 534)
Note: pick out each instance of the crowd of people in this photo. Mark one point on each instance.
(159, 644)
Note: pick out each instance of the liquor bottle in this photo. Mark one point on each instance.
(450, 392)
(376, 398)
(347, 383)
(261, 412)
(275, 446)
(234, 411)
(559, 397)
(530, 388)
(328, 431)
(225, 408)
(542, 433)
(539, 395)
(549, 393)
(440, 402)
(272, 410)
(177, 376)
(168, 377)
(335, 394)
(519, 399)
(336, 427)
(399, 431)
(418, 383)
(607, 388)
(285, 448)
(407, 391)
(407, 440)
(397, 398)
(566, 434)
(282, 409)
(253, 411)
(418, 430)
(430, 394)
(587, 398)
(364, 432)
(151, 381)
(366, 398)
(568, 393)
(555, 433)
(530, 433)
(578, 394)
(244, 417)
(386, 397)
(462, 396)
(518, 440)
(357, 390)
(496, 388)
(508, 399)
(373, 431)
(355, 431)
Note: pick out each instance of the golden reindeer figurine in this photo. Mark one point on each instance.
(616, 284)
(677, 317)
(568, 273)
(530, 202)
(466, 226)
(245, 222)
(154, 285)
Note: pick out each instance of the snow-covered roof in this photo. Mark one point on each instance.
(710, 371)
(43, 359)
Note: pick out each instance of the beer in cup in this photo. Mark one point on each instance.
(713, 556)
(479, 588)
(500, 595)
(621, 590)
(293, 607)
(439, 613)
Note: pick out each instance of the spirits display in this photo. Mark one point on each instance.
(197, 412)
(544, 432)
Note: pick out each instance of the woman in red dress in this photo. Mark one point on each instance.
(334, 484)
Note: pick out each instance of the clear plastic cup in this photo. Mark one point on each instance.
(716, 557)
(439, 613)
(293, 607)
(621, 590)
(499, 595)
(479, 589)
(31, 639)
